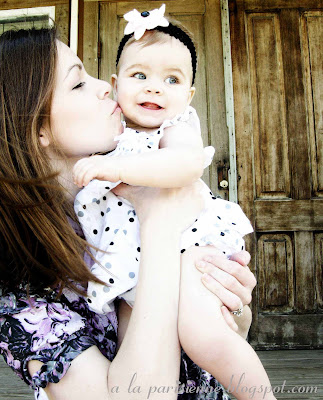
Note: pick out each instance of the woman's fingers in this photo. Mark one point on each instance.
(242, 257)
(237, 270)
(228, 281)
(229, 318)
(228, 298)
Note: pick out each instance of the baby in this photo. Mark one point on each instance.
(161, 146)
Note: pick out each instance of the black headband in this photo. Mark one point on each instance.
(171, 30)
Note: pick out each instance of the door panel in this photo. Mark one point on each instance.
(277, 77)
(312, 45)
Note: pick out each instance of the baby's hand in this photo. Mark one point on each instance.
(94, 167)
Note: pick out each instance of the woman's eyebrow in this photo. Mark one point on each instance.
(78, 65)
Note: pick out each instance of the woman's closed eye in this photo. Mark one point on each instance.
(78, 86)
(139, 75)
(172, 80)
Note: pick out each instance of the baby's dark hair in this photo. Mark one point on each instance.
(156, 35)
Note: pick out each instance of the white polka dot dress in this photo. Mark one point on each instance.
(110, 224)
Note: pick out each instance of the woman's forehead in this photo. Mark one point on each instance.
(65, 60)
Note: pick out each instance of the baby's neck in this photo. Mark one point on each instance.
(139, 128)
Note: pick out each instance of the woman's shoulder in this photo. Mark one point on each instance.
(15, 301)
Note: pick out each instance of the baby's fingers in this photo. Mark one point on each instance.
(84, 172)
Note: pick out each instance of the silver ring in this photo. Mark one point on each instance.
(238, 312)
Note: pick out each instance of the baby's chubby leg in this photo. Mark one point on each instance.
(211, 343)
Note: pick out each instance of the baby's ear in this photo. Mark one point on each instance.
(114, 83)
(190, 95)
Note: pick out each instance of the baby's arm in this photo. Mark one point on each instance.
(178, 162)
(208, 340)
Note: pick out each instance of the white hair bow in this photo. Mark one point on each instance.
(139, 23)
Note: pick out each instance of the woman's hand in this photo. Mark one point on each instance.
(231, 280)
(177, 207)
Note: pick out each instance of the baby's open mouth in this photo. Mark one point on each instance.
(151, 106)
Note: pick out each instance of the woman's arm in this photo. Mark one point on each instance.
(147, 357)
(179, 162)
(232, 282)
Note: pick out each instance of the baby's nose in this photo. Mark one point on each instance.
(153, 89)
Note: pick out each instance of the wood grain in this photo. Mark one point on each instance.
(312, 38)
(12, 4)
(295, 105)
(288, 330)
(279, 4)
(275, 272)
(272, 175)
(288, 215)
(215, 92)
(62, 20)
(90, 40)
(287, 369)
(180, 7)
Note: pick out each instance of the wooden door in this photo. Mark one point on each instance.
(103, 30)
(277, 51)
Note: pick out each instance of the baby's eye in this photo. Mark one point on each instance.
(139, 75)
(171, 80)
(79, 85)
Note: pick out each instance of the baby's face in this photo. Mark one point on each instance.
(154, 82)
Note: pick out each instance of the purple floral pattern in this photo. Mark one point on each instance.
(55, 332)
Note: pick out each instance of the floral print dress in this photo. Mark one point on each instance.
(55, 332)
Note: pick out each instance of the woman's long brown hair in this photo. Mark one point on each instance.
(38, 246)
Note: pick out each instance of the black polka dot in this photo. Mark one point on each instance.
(233, 223)
(102, 213)
(119, 203)
(107, 229)
(107, 187)
(194, 230)
(138, 249)
(104, 198)
(95, 231)
(242, 247)
(182, 251)
(131, 219)
(149, 147)
(196, 244)
(213, 198)
(219, 217)
(111, 280)
(111, 244)
(224, 252)
(89, 300)
(158, 133)
(222, 234)
(137, 259)
(84, 206)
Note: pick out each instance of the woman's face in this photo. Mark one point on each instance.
(83, 119)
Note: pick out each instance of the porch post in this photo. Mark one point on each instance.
(74, 25)
(228, 85)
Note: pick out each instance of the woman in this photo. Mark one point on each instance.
(52, 114)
